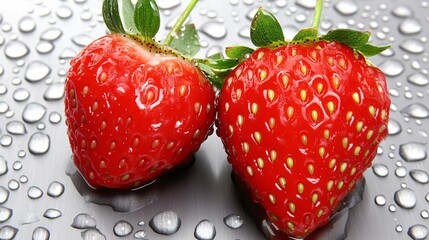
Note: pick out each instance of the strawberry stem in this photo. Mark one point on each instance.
(178, 24)
(317, 13)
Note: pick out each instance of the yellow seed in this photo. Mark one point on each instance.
(260, 162)
(279, 59)
(250, 74)
(229, 81)
(150, 95)
(342, 63)
(314, 115)
(330, 185)
(304, 139)
(238, 72)
(272, 123)
(260, 55)
(356, 97)
(197, 107)
(383, 114)
(332, 163)
(322, 152)
(335, 82)
(182, 90)
(304, 70)
(273, 155)
(262, 75)
(314, 198)
(285, 80)
(320, 213)
(155, 143)
(353, 171)
(254, 108)
(125, 177)
(292, 207)
(310, 169)
(289, 112)
(359, 126)
(245, 147)
(319, 87)
(300, 188)
(95, 106)
(274, 217)
(83, 144)
(170, 69)
(371, 110)
(73, 93)
(231, 129)
(293, 52)
(136, 141)
(349, 115)
(272, 198)
(240, 120)
(303, 95)
(103, 164)
(91, 175)
(351, 185)
(257, 136)
(93, 144)
(326, 134)
(345, 142)
(170, 145)
(289, 162)
(331, 61)
(84, 91)
(282, 182)
(331, 201)
(103, 77)
(290, 225)
(238, 93)
(313, 55)
(249, 170)
(343, 167)
(226, 107)
(208, 107)
(357, 150)
(271, 94)
(340, 185)
(331, 107)
(382, 128)
(366, 153)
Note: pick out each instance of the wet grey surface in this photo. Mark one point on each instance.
(43, 197)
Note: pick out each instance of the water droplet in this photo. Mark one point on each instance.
(52, 213)
(392, 208)
(39, 143)
(392, 67)
(82, 40)
(402, 11)
(214, 30)
(141, 234)
(398, 228)
(416, 110)
(13, 185)
(3, 166)
(3, 107)
(418, 79)
(44, 47)
(64, 12)
(54, 117)
(308, 4)
(205, 230)
(380, 200)
(394, 127)
(37, 71)
(410, 26)
(54, 92)
(346, 7)
(168, 4)
(122, 228)
(5, 214)
(233, 221)
(412, 46)
(380, 170)
(424, 214)
(8, 232)
(166, 223)
(92, 234)
(67, 54)
(33, 112)
(86, 15)
(244, 32)
(34, 192)
(418, 232)
(27, 24)
(419, 176)
(3, 88)
(51, 34)
(41, 233)
(405, 198)
(23, 179)
(4, 195)
(413, 151)
(16, 128)
(17, 165)
(6, 140)
(21, 94)
(16, 49)
(55, 189)
(401, 172)
(84, 221)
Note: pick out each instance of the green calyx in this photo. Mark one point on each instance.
(142, 22)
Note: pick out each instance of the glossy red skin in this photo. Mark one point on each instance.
(152, 132)
(285, 138)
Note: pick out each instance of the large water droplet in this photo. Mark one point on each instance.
(380, 170)
(166, 223)
(34, 192)
(418, 232)
(67, 53)
(402, 11)
(13, 185)
(21, 94)
(41, 233)
(122, 228)
(33, 112)
(3, 88)
(44, 47)
(419, 176)
(394, 127)
(39, 143)
(92, 234)
(214, 30)
(27, 24)
(84, 221)
(6, 141)
(52, 213)
(401, 172)
(3, 107)
(5, 214)
(418, 79)
(412, 46)
(16, 49)
(410, 26)
(37, 71)
(8, 232)
(346, 7)
(54, 92)
(4, 195)
(392, 67)
(82, 40)
(416, 110)
(413, 151)
(3, 166)
(16, 128)
(380, 200)
(64, 12)
(55, 189)
(205, 230)
(233, 221)
(405, 198)
(51, 34)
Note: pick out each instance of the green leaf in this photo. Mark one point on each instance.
(186, 41)
(238, 51)
(305, 33)
(371, 50)
(111, 16)
(216, 56)
(216, 71)
(221, 63)
(128, 16)
(146, 17)
(265, 29)
(352, 38)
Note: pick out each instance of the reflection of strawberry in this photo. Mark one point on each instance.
(135, 109)
(302, 120)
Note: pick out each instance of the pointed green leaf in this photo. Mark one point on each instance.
(146, 17)
(186, 41)
(305, 33)
(216, 56)
(221, 63)
(352, 38)
(238, 52)
(128, 16)
(371, 50)
(111, 16)
(265, 29)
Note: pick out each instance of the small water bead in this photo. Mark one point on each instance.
(5, 214)
(27, 24)
(23, 179)
(34, 192)
(380, 170)
(346, 7)
(426, 197)
(17, 165)
(67, 54)
(8, 232)
(16, 128)
(51, 34)
(52, 213)
(413, 151)
(424, 214)
(122, 228)
(300, 18)
(410, 26)
(205, 230)
(55, 189)
(4, 194)
(41, 233)
(401, 172)
(33, 112)
(398, 228)
(392, 208)
(16, 49)
(39, 143)
(3, 107)
(64, 12)
(307, 4)
(419, 176)
(392, 67)
(166, 223)
(394, 128)
(13, 185)
(233, 221)
(380, 200)
(55, 117)
(36, 71)
(82, 40)
(402, 11)
(214, 30)
(21, 95)
(92, 234)
(412, 46)
(54, 92)
(418, 232)
(6, 140)
(141, 234)
(6, 27)
(84, 221)
(405, 198)
(86, 15)
(41, 126)
(251, 13)
(3, 166)
(44, 47)
(418, 79)
(3, 88)
(168, 4)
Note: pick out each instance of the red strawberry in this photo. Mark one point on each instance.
(135, 109)
(301, 120)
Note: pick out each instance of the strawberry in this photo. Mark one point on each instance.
(135, 108)
(301, 120)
